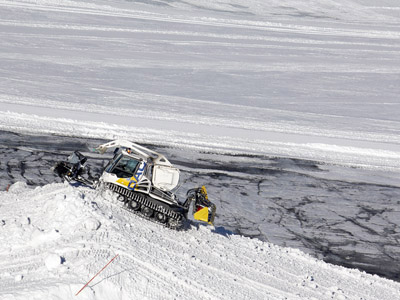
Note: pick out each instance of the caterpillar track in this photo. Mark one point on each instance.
(147, 208)
(144, 180)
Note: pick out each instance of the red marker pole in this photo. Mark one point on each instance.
(97, 274)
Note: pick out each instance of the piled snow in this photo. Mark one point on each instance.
(52, 261)
(92, 224)
(56, 253)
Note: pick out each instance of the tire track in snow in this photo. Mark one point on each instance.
(143, 257)
(167, 269)
(108, 11)
(240, 281)
(239, 37)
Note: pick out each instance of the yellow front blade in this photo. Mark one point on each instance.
(202, 214)
(205, 214)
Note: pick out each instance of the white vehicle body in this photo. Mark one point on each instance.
(153, 170)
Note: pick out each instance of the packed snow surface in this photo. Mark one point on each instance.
(314, 80)
(49, 252)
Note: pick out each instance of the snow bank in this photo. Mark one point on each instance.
(62, 246)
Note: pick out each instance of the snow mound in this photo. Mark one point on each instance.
(92, 224)
(70, 236)
(52, 261)
(17, 187)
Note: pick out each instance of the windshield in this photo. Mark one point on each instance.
(125, 167)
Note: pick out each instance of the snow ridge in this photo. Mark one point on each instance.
(59, 236)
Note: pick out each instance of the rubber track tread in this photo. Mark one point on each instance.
(144, 201)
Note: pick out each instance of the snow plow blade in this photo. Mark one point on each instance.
(73, 168)
(203, 209)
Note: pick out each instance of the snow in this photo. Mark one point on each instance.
(154, 262)
(92, 224)
(314, 80)
(52, 261)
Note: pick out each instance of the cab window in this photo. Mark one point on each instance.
(125, 167)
